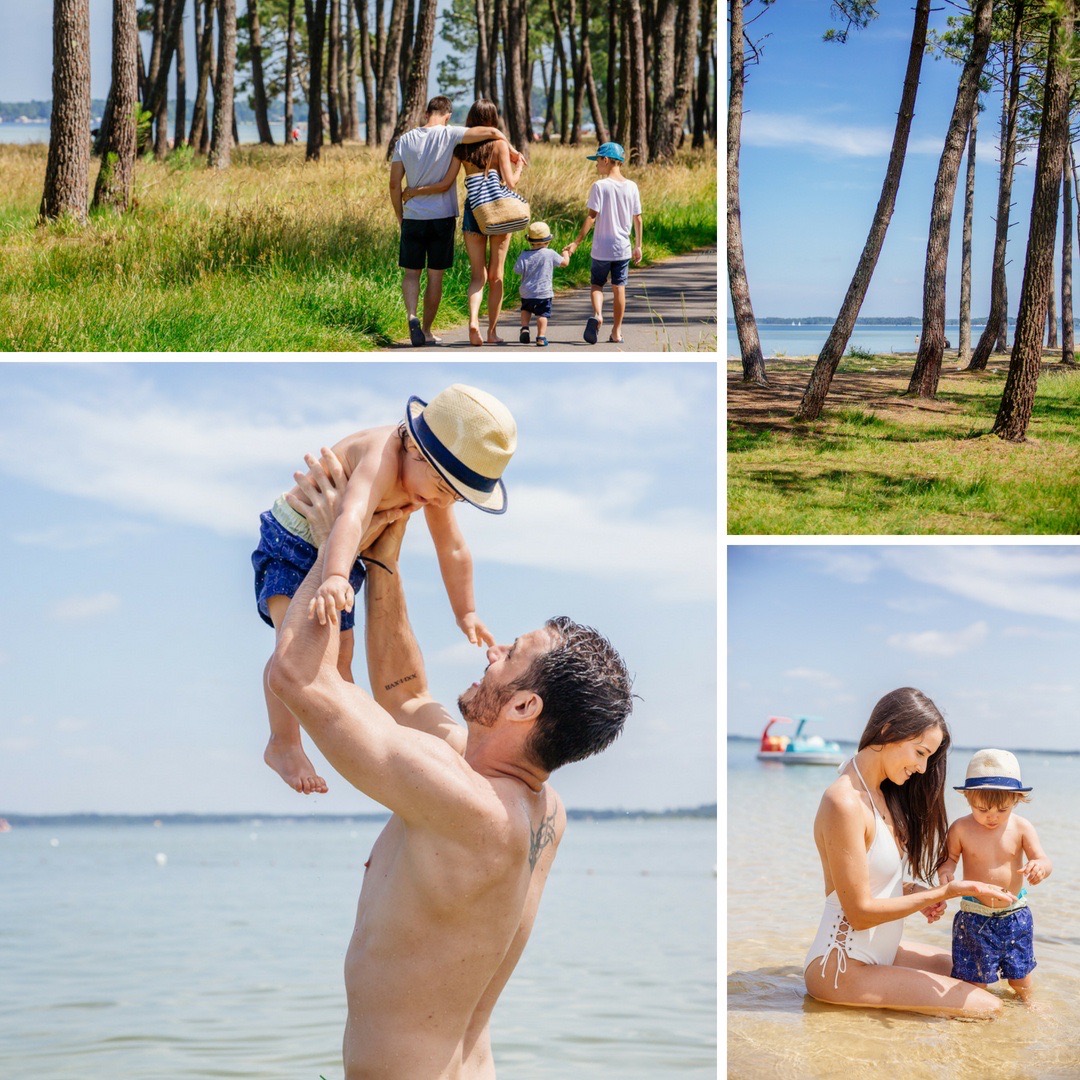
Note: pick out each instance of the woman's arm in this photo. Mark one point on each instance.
(510, 164)
(445, 184)
(841, 826)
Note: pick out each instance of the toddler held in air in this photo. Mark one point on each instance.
(1002, 848)
(453, 449)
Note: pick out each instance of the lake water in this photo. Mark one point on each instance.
(39, 133)
(779, 340)
(226, 961)
(774, 901)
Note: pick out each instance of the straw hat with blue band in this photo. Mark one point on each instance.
(993, 770)
(468, 436)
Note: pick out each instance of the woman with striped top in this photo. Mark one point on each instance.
(493, 161)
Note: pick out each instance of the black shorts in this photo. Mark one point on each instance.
(537, 306)
(427, 242)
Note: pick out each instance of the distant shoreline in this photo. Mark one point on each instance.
(869, 320)
(955, 746)
(706, 811)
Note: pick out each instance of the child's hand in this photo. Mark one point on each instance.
(334, 594)
(1037, 870)
(636, 254)
(475, 630)
(934, 911)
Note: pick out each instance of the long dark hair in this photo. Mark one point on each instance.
(483, 113)
(918, 806)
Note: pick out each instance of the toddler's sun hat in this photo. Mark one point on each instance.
(539, 233)
(468, 436)
(993, 770)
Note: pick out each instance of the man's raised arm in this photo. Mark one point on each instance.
(395, 663)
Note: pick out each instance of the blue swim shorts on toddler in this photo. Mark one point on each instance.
(986, 948)
(281, 563)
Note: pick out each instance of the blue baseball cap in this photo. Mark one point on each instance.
(609, 150)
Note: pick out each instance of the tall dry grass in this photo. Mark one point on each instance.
(273, 253)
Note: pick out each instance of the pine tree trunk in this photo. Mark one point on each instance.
(817, 388)
(412, 110)
(745, 323)
(316, 23)
(388, 76)
(221, 142)
(662, 138)
(559, 64)
(495, 31)
(332, 56)
(366, 72)
(639, 138)
(516, 114)
(114, 180)
(1018, 398)
(378, 60)
(480, 66)
(67, 172)
(611, 97)
(924, 379)
(258, 84)
(180, 121)
(575, 67)
(1067, 328)
(290, 66)
(407, 29)
(1051, 315)
(587, 72)
(622, 126)
(701, 97)
(963, 351)
(352, 129)
(995, 334)
(204, 36)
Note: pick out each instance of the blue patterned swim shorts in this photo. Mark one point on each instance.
(986, 948)
(282, 561)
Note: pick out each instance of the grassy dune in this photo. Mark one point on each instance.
(275, 254)
(880, 463)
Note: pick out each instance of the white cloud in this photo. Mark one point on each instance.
(854, 567)
(940, 642)
(1027, 581)
(815, 676)
(69, 724)
(62, 538)
(790, 130)
(77, 608)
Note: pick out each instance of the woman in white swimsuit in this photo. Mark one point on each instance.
(886, 814)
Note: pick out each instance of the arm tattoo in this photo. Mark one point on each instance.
(398, 682)
(540, 839)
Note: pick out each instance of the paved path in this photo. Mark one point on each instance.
(670, 307)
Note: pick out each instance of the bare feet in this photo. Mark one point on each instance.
(290, 762)
(474, 336)
(493, 338)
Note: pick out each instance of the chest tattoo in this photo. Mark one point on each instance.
(540, 838)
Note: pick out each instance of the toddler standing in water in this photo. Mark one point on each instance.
(995, 942)
(451, 450)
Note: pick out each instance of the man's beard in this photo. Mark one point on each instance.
(483, 706)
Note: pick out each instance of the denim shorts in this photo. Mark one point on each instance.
(619, 269)
(468, 220)
(281, 563)
(986, 948)
(539, 306)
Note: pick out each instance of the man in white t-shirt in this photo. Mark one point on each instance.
(428, 222)
(614, 207)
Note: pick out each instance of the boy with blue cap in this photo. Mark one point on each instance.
(614, 208)
(453, 449)
(995, 942)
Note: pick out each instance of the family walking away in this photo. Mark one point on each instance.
(453, 449)
(454, 880)
(423, 190)
(885, 815)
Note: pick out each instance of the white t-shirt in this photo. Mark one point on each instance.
(615, 202)
(536, 267)
(426, 153)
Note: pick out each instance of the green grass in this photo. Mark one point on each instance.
(891, 468)
(274, 254)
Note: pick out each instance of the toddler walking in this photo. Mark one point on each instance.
(536, 268)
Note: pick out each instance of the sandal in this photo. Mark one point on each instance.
(541, 341)
(591, 328)
(523, 337)
(416, 333)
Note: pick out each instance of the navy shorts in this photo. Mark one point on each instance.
(986, 948)
(283, 560)
(468, 220)
(619, 269)
(429, 243)
(539, 306)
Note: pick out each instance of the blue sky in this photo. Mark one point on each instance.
(130, 649)
(991, 633)
(817, 130)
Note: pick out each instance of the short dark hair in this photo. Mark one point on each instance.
(441, 105)
(586, 690)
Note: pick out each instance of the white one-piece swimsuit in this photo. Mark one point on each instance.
(877, 945)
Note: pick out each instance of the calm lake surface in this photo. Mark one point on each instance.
(39, 133)
(774, 899)
(226, 961)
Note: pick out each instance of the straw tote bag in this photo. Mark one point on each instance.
(496, 208)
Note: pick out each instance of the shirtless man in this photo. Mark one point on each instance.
(454, 880)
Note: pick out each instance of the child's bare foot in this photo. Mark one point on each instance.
(290, 762)
(474, 336)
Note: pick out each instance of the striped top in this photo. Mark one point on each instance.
(486, 187)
